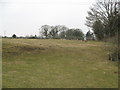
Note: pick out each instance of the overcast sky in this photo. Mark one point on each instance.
(25, 17)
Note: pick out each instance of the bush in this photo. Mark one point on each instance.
(14, 36)
(113, 48)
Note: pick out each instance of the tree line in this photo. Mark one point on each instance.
(104, 19)
(61, 32)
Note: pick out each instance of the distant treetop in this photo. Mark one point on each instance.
(14, 36)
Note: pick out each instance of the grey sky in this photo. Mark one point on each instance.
(25, 17)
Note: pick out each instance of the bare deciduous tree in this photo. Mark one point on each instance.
(104, 12)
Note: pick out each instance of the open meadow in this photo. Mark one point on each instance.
(52, 63)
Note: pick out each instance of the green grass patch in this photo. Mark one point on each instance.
(48, 63)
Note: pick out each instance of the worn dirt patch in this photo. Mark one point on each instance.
(18, 50)
(30, 48)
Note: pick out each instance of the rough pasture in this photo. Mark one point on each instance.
(48, 63)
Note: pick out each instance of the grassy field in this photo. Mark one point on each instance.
(34, 63)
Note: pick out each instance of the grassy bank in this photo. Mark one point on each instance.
(47, 63)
